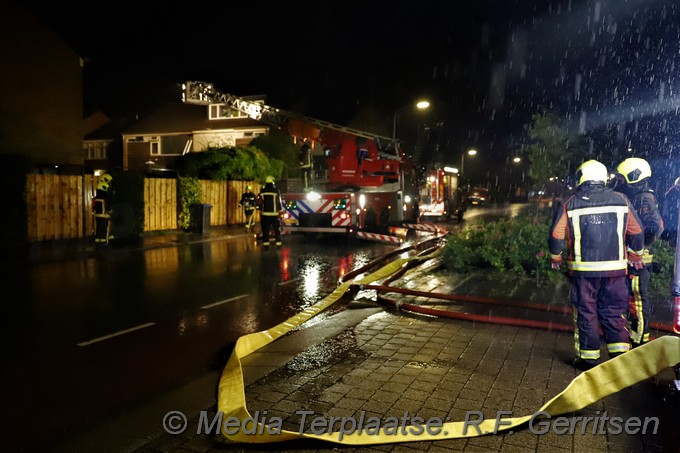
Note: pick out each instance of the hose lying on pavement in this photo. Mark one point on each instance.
(590, 386)
(520, 322)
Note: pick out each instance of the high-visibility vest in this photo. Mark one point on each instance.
(270, 203)
(597, 224)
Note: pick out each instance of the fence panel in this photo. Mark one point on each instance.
(160, 204)
(60, 206)
(55, 207)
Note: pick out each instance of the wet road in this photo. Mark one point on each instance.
(89, 338)
(93, 337)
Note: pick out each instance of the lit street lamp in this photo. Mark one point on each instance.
(470, 152)
(420, 105)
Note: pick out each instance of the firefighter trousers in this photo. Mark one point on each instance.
(270, 222)
(640, 309)
(250, 218)
(600, 302)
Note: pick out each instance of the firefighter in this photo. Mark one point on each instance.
(632, 180)
(102, 211)
(271, 207)
(249, 203)
(602, 235)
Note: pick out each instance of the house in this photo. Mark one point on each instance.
(41, 93)
(102, 143)
(174, 129)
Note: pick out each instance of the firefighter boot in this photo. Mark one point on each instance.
(585, 364)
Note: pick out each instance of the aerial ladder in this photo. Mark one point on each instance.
(363, 191)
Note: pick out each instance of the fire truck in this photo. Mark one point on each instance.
(353, 179)
(440, 197)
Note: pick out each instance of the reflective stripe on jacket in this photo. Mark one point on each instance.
(596, 226)
(270, 203)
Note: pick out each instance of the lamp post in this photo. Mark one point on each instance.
(420, 105)
(470, 152)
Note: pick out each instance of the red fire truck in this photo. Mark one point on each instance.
(353, 179)
(440, 196)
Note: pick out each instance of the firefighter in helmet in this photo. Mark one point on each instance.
(602, 235)
(102, 211)
(271, 207)
(249, 203)
(632, 179)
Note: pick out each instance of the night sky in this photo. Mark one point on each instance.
(608, 67)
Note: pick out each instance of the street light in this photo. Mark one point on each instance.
(470, 152)
(420, 105)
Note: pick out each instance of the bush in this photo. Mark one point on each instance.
(189, 193)
(127, 206)
(662, 268)
(520, 246)
(219, 164)
(517, 245)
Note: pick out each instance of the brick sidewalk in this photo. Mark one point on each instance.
(393, 362)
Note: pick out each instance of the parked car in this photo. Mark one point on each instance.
(478, 196)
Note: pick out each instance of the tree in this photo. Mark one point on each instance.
(553, 150)
(280, 146)
(242, 163)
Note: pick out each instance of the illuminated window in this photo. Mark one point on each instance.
(222, 111)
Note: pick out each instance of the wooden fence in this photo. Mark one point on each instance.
(60, 206)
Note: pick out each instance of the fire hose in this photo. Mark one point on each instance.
(589, 387)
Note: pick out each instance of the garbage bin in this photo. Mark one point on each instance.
(200, 217)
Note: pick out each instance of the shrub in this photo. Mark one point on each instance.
(218, 164)
(662, 269)
(127, 206)
(517, 245)
(189, 193)
(520, 246)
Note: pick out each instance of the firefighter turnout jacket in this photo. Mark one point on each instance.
(248, 201)
(598, 227)
(647, 207)
(270, 201)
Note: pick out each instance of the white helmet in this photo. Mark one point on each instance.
(592, 171)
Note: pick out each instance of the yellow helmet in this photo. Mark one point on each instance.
(269, 179)
(634, 170)
(103, 185)
(249, 187)
(106, 178)
(592, 171)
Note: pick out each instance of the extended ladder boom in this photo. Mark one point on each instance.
(204, 93)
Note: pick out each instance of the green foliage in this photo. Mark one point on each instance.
(553, 150)
(517, 245)
(662, 268)
(219, 164)
(188, 194)
(127, 206)
(280, 147)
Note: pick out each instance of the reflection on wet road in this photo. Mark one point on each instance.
(92, 337)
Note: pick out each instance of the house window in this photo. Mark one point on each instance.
(174, 144)
(96, 150)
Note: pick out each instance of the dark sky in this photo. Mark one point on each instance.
(312, 56)
(486, 65)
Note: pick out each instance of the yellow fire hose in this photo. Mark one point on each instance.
(606, 379)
